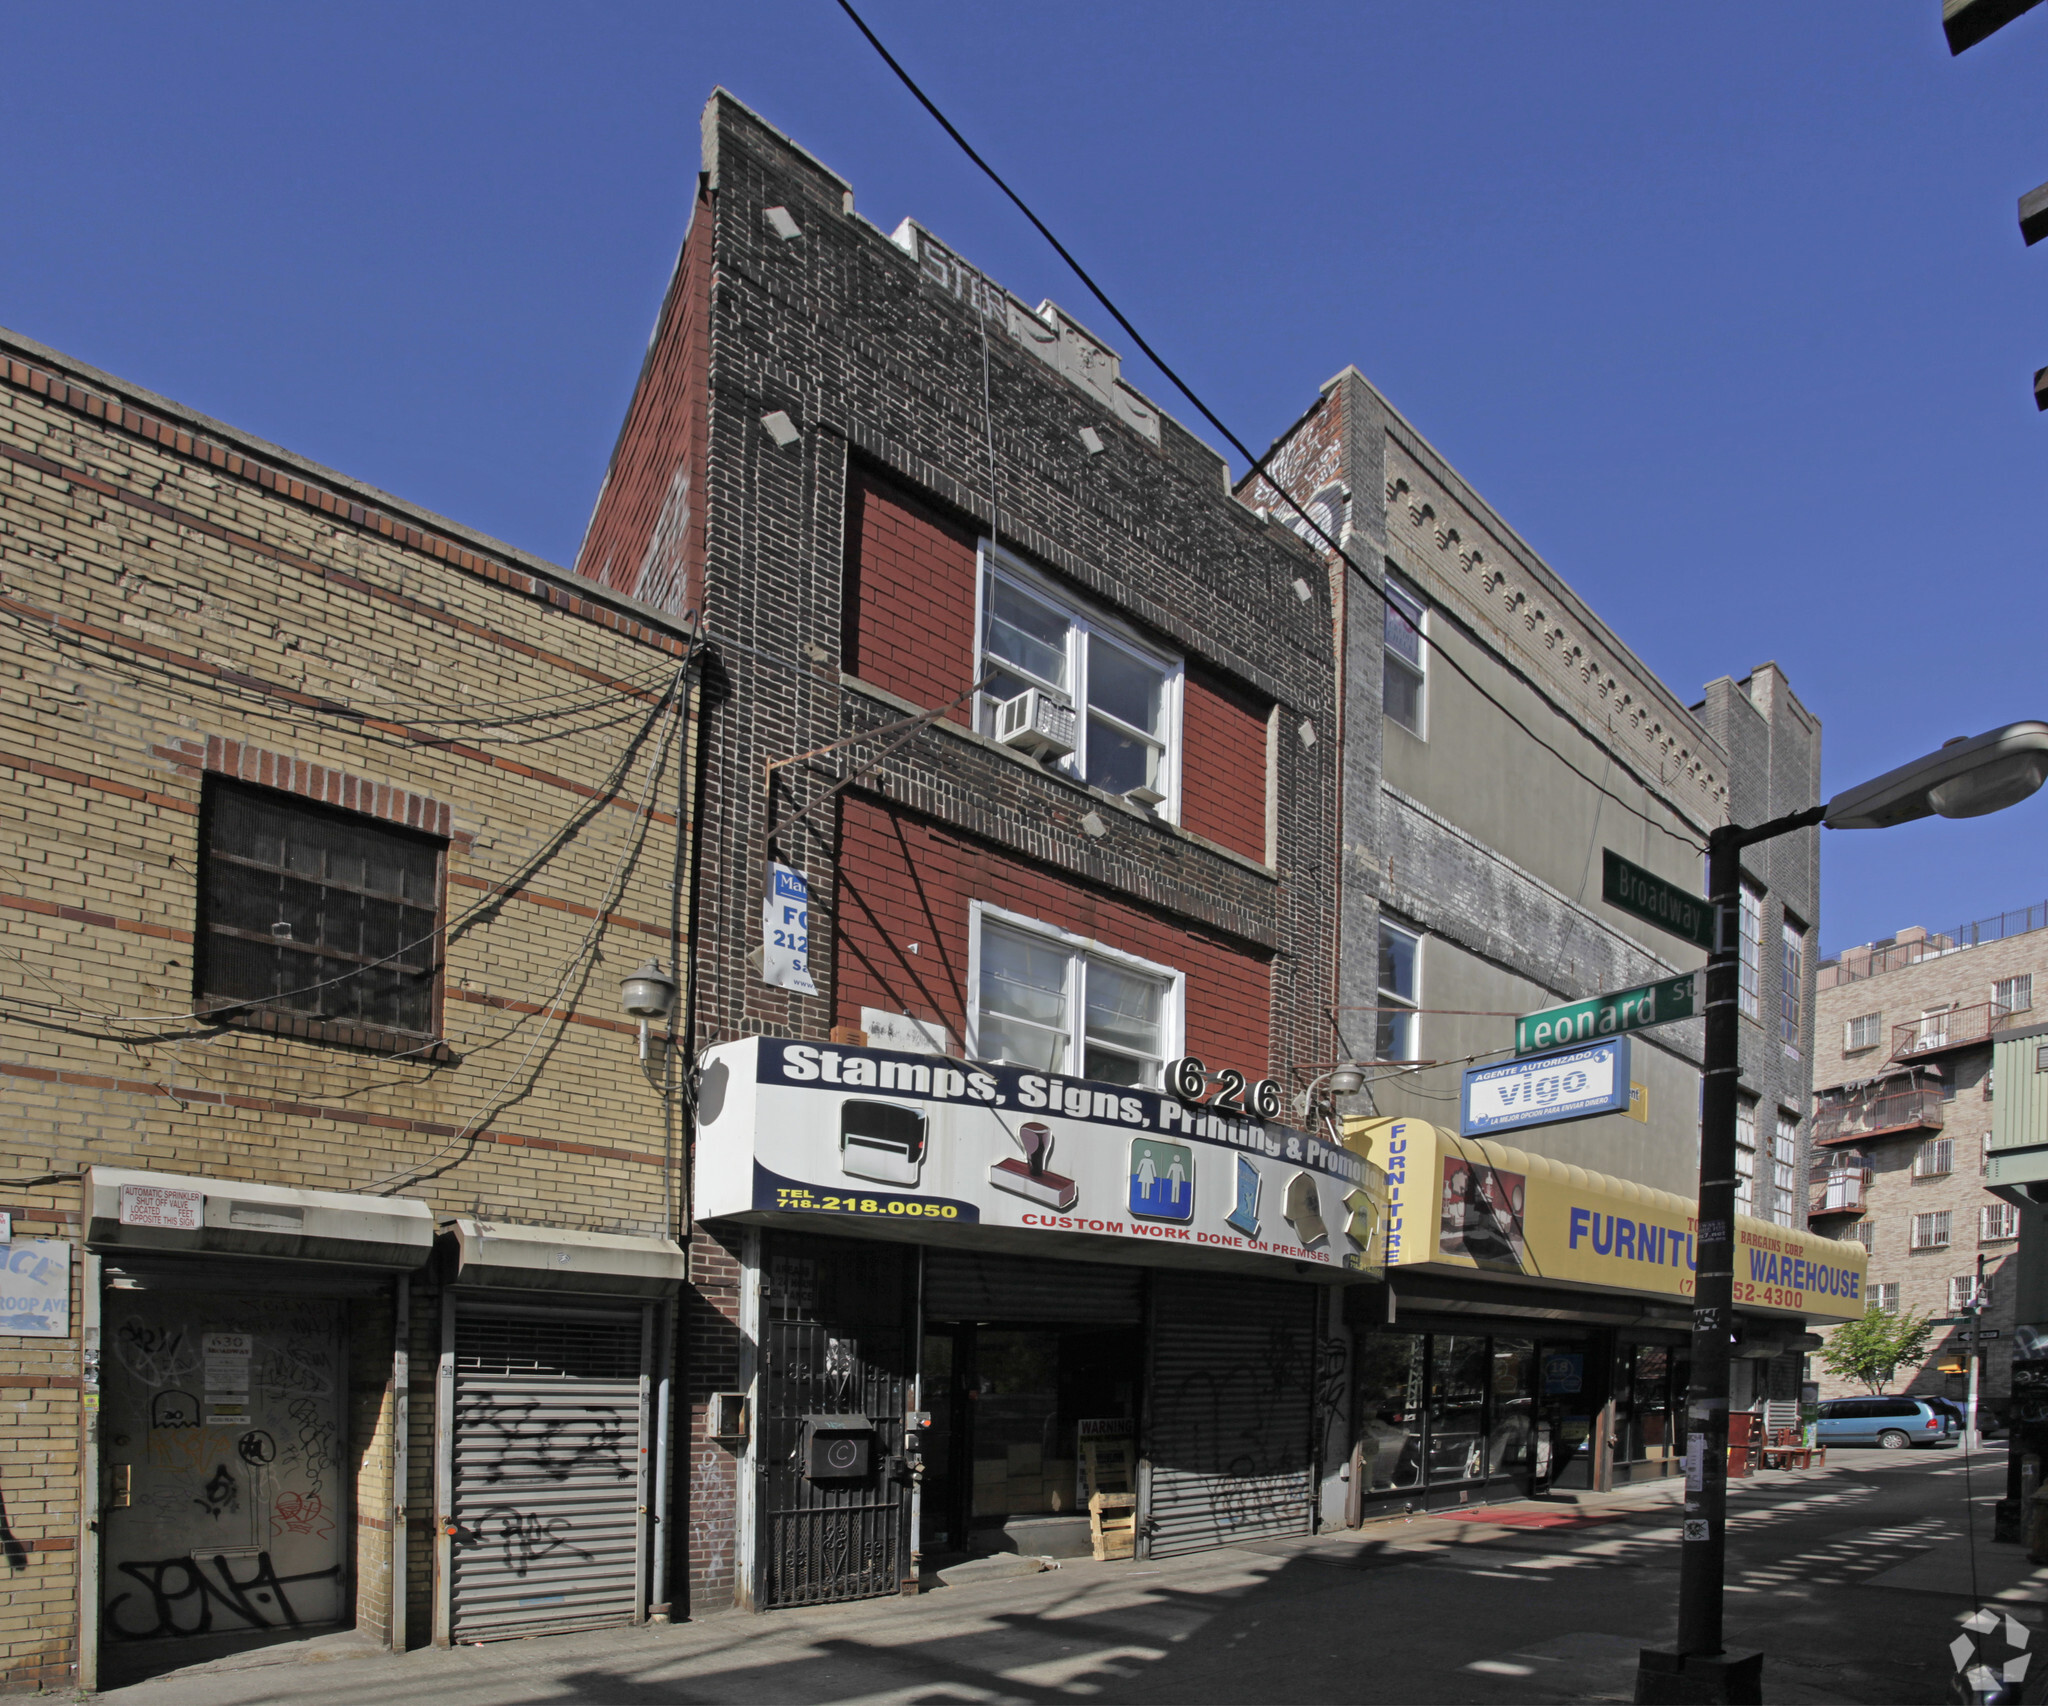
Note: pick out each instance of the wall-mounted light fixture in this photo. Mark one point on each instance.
(647, 995)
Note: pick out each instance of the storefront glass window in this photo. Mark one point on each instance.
(1390, 1369)
(1459, 1375)
(1511, 1436)
(1643, 1403)
(1017, 1466)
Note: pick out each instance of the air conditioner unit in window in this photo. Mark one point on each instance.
(1036, 723)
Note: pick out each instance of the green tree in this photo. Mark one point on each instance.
(1871, 1349)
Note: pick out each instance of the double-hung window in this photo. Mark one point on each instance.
(1052, 1000)
(1784, 1155)
(1930, 1231)
(318, 922)
(1997, 1221)
(1745, 1157)
(1749, 988)
(2014, 994)
(1405, 667)
(1400, 952)
(1934, 1158)
(1791, 985)
(1884, 1297)
(1862, 1032)
(1124, 694)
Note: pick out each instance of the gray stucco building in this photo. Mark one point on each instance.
(1497, 737)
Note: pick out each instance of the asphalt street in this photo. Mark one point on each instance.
(1854, 1580)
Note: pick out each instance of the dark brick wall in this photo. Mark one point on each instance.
(711, 1361)
(909, 594)
(903, 881)
(1223, 784)
(885, 370)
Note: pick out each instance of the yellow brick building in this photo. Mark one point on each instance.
(332, 830)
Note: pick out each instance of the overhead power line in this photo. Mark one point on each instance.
(1257, 464)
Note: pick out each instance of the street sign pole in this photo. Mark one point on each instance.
(1699, 1668)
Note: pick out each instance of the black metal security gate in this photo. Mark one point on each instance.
(835, 1341)
(1227, 1439)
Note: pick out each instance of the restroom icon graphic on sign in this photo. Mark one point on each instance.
(1162, 1180)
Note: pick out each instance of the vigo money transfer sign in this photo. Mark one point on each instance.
(1546, 1089)
(922, 1147)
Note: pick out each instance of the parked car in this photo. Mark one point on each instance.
(1894, 1423)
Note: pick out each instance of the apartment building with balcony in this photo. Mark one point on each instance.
(1905, 1032)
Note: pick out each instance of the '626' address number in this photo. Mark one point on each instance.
(1188, 1079)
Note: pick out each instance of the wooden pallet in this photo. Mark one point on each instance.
(1113, 1524)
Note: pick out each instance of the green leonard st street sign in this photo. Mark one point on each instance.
(1605, 1015)
(1656, 901)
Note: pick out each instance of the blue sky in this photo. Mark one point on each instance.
(1722, 305)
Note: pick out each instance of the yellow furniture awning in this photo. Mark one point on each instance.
(1477, 1205)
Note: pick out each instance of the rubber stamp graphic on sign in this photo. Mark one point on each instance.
(1030, 1177)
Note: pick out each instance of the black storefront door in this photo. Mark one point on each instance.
(1449, 1418)
(836, 1336)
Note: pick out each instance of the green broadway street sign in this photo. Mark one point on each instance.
(1604, 1015)
(1655, 901)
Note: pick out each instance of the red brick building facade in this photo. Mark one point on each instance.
(878, 481)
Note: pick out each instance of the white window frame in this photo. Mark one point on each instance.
(1749, 972)
(1784, 1158)
(1884, 1295)
(1935, 1158)
(1389, 998)
(1172, 1022)
(1083, 620)
(1938, 1236)
(1745, 1158)
(1850, 1032)
(1791, 986)
(2007, 1223)
(1400, 597)
(2015, 994)
(1863, 1233)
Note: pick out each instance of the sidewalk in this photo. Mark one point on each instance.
(1399, 1610)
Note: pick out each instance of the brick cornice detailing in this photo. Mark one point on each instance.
(191, 1095)
(182, 442)
(321, 782)
(293, 696)
(333, 576)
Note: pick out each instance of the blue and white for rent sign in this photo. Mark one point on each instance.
(35, 1288)
(1546, 1089)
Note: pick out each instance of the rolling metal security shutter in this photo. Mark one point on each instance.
(1228, 1412)
(969, 1285)
(547, 1467)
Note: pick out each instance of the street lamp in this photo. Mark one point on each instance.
(1966, 778)
(1346, 1078)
